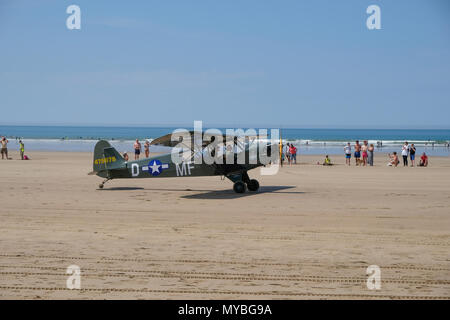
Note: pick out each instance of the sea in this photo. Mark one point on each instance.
(308, 141)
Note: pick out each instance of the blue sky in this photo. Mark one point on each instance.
(229, 63)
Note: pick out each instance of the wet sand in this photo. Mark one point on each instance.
(309, 233)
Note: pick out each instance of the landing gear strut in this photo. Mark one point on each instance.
(103, 183)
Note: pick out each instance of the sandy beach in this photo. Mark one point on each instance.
(309, 233)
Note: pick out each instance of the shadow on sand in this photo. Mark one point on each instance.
(121, 188)
(214, 194)
(230, 194)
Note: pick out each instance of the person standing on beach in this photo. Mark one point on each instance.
(348, 153)
(405, 151)
(21, 149)
(4, 148)
(137, 149)
(147, 148)
(364, 149)
(357, 153)
(287, 153)
(293, 152)
(370, 152)
(412, 154)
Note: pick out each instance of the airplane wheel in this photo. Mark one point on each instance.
(100, 185)
(239, 187)
(253, 185)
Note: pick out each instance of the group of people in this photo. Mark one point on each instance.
(408, 150)
(137, 146)
(363, 153)
(290, 153)
(4, 150)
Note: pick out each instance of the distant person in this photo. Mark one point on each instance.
(21, 149)
(293, 152)
(125, 156)
(370, 153)
(365, 155)
(147, 148)
(412, 154)
(393, 160)
(137, 149)
(287, 153)
(423, 160)
(357, 153)
(405, 152)
(348, 153)
(4, 151)
(327, 161)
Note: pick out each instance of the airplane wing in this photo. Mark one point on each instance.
(207, 139)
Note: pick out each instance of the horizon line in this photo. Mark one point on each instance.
(313, 127)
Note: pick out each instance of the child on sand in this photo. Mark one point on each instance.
(327, 161)
(423, 160)
(393, 160)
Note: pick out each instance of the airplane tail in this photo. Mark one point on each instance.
(106, 158)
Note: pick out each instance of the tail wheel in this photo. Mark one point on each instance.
(253, 185)
(239, 187)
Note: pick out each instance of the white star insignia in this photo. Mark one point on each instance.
(155, 167)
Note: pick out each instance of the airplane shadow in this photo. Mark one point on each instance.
(121, 188)
(230, 194)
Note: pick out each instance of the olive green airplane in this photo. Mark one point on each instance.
(109, 164)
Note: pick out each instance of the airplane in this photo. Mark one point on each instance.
(109, 164)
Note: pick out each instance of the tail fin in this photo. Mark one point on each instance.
(106, 157)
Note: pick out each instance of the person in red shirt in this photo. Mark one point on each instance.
(293, 152)
(423, 160)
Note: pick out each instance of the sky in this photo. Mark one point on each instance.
(303, 64)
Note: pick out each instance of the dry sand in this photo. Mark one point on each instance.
(310, 232)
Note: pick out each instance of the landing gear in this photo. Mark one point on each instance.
(242, 181)
(239, 187)
(253, 185)
(101, 185)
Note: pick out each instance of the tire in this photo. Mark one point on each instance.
(239, 187)
(253, 185)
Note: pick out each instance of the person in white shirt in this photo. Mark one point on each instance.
(348, 153)
(405, 152)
